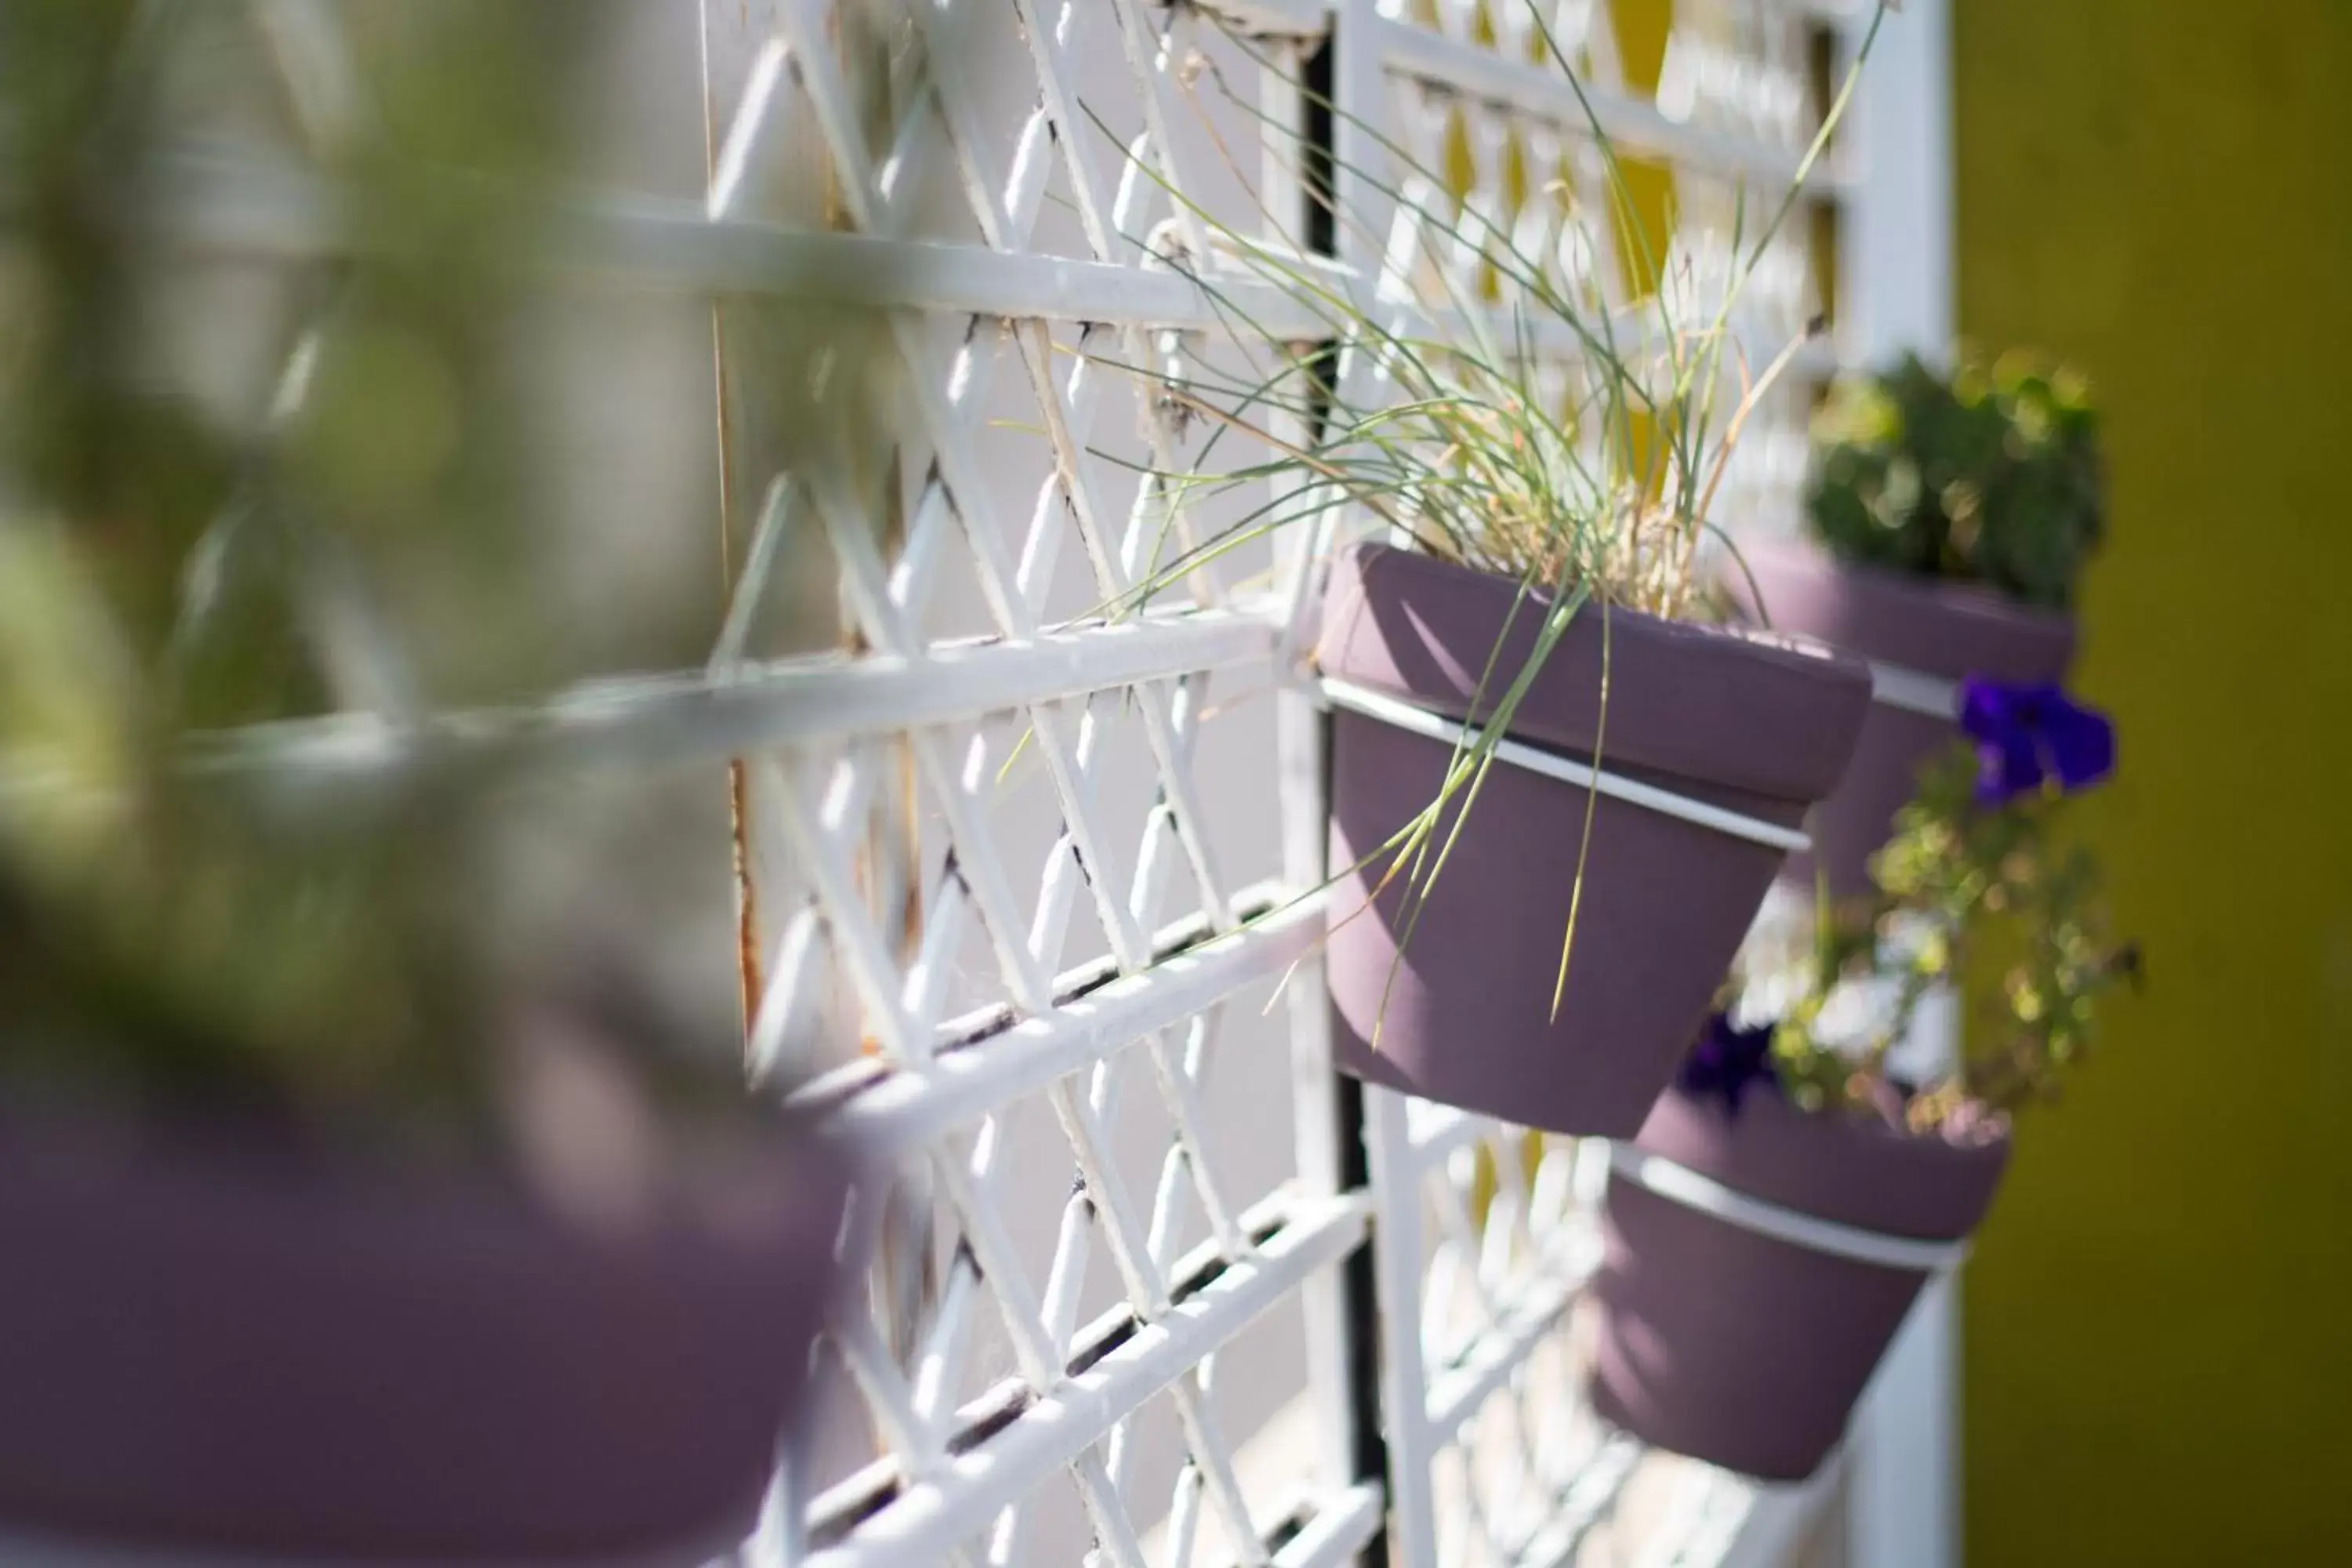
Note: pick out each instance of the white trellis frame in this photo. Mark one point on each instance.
(1058, 975)
(1904, 1503)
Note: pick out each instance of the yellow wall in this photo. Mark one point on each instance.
(2159, 1322)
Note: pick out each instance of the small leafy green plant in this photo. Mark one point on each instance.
(1991, 475)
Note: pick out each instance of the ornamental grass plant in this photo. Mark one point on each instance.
(1491, 402)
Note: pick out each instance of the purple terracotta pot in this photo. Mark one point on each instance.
(1748, 1351)
(1756, 725)
(210, 1346)
(1943, 630)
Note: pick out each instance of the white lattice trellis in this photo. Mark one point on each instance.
(1082, 1015)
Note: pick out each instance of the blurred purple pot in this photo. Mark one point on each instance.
(1922, 637)
(1744, 1350)
(218, 1346)
(1758, 725)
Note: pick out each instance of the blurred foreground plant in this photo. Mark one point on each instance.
(197, 555)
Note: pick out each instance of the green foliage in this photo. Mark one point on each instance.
(1962, 888)
(1992, 476)
(356, 524)
(174, 563)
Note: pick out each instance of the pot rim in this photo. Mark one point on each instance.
(1838, 1165)
(1403, 623)
(1972, 613)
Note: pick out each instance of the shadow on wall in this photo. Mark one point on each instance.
(2155, 1367)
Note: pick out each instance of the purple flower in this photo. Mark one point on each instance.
(1729, 1061)
(2027, 736)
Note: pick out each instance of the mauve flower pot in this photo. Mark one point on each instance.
(1746, 1350)
(1761, 725)
(1947, 631)
(219, 1347)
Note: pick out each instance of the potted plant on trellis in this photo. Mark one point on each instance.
(1949, 521)
(1544, 957)
(1787, 1200)
(344, 1220)
(1559, 789)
